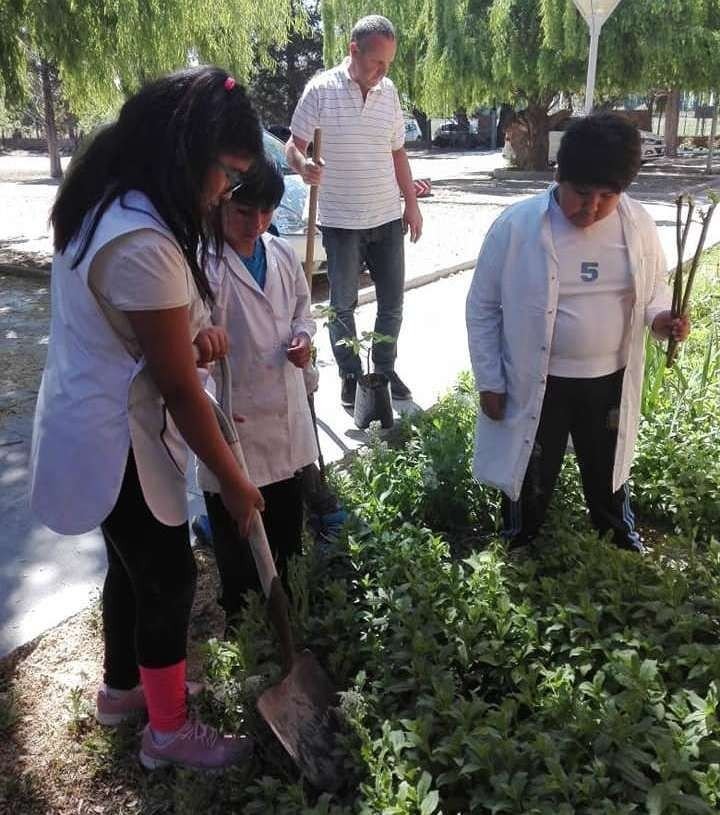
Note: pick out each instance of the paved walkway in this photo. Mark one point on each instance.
(44, 578)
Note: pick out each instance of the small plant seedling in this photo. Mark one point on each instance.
(79, 709)
(362, 346)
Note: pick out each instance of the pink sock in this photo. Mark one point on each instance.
(165, 694)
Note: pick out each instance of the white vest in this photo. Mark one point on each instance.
(96, 400)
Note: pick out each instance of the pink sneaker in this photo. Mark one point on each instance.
(112, 711)
(131, 705)
(196, 746)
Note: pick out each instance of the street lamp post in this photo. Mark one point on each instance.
(595, 13)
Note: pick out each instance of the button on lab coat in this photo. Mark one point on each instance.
(511, 310)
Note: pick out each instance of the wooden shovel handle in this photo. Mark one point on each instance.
(312, 214)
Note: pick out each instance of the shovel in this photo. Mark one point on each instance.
(298, 709)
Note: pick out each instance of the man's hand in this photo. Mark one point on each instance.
(311, 172)
(299, 350)
(413, 220)
(211, 343)
(665, 326)
(493, 405)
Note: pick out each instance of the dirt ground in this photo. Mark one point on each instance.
(24, 326)
(54, 758)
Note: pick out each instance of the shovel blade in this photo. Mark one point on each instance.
(299, 711)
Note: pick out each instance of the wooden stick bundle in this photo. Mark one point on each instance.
(682, 288)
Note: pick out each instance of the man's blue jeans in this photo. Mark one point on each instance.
(382, 249)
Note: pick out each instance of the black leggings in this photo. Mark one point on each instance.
(283, 519)
(148, 589)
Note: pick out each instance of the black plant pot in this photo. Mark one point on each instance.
(372, 401)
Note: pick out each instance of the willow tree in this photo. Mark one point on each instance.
(680, 52)
(441, 57)
(12, 55)
(464, 53)
(103, 52)
(527, 52)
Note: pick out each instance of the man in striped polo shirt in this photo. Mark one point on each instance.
(364, 169)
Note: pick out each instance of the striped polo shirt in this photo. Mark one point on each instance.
(359, 189)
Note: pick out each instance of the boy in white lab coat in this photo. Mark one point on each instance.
(262, 301)
(565, 286)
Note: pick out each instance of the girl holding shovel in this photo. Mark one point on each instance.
(120, 397)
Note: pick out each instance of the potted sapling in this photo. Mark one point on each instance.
(372, 397)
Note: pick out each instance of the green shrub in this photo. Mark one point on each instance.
(574, 678)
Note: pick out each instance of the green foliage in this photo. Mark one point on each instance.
(104, 51)
(364, 344)
(80, 715)
(574, 678)
(571, 678)
(428, 478)
(677, 472)
(276, 89)
(12, 52)
(465, 52)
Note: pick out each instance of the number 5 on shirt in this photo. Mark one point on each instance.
(589, 271)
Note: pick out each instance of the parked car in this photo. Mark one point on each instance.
(281, 132)
(291, 217)
(413, 134)
(454, 134)
(652, 146)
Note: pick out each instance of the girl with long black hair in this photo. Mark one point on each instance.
(120, 398)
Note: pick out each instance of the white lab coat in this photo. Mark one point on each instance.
(510, 312)
(96, 400)
(277, 434)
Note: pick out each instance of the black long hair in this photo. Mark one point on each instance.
(163, 143)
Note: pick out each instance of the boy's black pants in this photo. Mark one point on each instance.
(587, 410)
(283, 519)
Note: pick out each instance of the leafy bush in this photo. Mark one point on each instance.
(676, 474)
(583, 680)
(576, 678)
(425, 476)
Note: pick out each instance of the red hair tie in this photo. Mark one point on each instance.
(230, 83)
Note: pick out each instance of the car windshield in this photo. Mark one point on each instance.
(275, 150)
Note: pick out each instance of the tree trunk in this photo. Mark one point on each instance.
(536, 119)
(507, 115)
(50, 126)
(713, 133)
(672, 121)
(423, 123)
